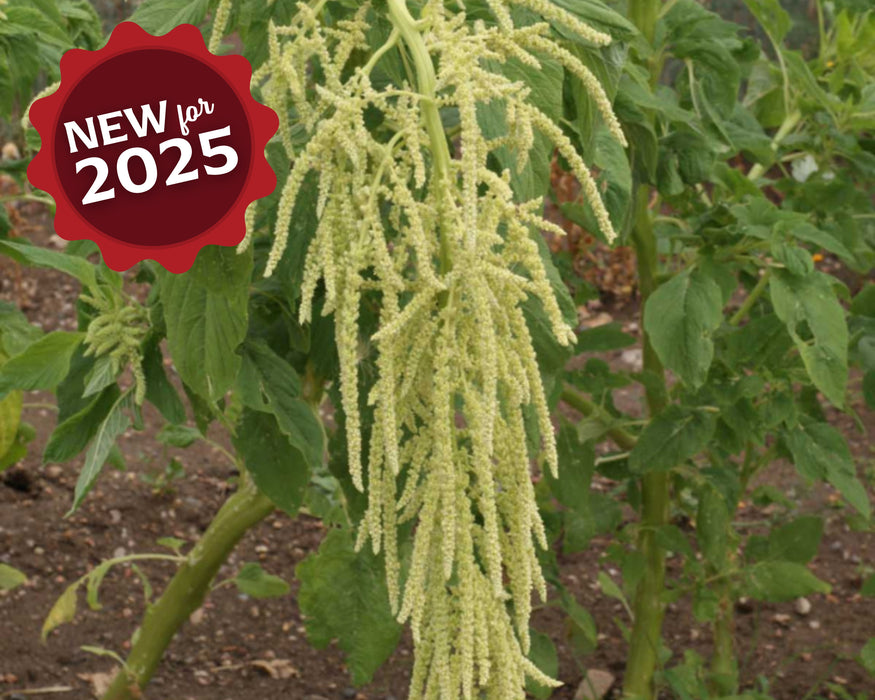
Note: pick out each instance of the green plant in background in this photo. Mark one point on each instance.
(397, 274)
(34, 36)
(747, 376)
(161, 481)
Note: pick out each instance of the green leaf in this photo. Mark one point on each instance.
(102, 651)
(695, 154)
(576, 467)
(796, 541)
(279, 470)
(707, 43)
(811, 234)
(178, 435)
(206, 311)
(159, 391)
(543, 654)
(160, 16)
(867, 656)
(672, 437)
(102, 374)
(172, 543)
(868, 587)
(603, 338)
(69, 391)
(10, 577)
(274, 378)
(42, 365)
(10, 418)
(112, 427)
(92, 583)
(615, 180)
(862, 305)
(16, 333)
(600, 16)
(762, 341)
(798, 261)
(79, 268)
(808, 305)
(63, 611)
(778, 581)
(299, 423)
(774, 18)
(602, 515)
(551, 355)
(257, 583)
(820, 451)
(805, 82)
(606, 64)
(13, 456)
(673, 539)
(679, 317)
(72, 435)
(343, 596)
(252, 25)
(611, 589)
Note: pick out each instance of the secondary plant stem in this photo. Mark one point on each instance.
(748, 303)
(787, 126)
(577, 401)
(188, 587)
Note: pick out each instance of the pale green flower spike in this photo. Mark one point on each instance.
(220, 21)
(45, 92)
(453, 257)
(249, 222)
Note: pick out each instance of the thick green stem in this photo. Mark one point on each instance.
(648, 268)
(724, 667)
(723, 678)
(649, 608)
(188, 587)
(426, 82)
(425, 78)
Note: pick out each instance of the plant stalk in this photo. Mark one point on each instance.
(724, 668)
(426, 82)
(787, 126)
(723, 679)
(748, 303)
(186, 591)
(577, 401)
(648, 608)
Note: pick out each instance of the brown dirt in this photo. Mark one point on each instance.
(213, 657)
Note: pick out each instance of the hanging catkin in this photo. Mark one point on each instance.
(454, 258)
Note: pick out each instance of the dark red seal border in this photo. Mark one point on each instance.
(230, 229)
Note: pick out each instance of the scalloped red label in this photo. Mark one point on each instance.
(152, 147)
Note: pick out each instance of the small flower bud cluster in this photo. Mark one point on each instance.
(117, 332)
(453, 257)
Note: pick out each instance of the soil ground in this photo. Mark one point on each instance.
(240, 648)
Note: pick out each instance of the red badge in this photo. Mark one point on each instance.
(152, 147)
